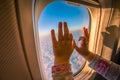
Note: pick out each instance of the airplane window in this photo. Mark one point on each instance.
(76, 17)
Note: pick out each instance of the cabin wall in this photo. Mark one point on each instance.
(18, 59)
(108, 38)
(12, 61)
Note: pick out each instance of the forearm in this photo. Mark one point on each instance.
(107, 69)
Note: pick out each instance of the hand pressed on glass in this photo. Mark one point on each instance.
(64, 46)
(63, 49)
(84, 40)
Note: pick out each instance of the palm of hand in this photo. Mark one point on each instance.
(62, 48)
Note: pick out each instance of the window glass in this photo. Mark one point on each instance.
(76, 17)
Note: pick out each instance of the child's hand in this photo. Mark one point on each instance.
(62, 48)
(84, 40)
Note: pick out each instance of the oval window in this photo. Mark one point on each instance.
(60, 11)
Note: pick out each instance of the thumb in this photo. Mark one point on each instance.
(73, 43)
(78, 49)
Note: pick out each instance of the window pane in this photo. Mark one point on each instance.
(76, 17)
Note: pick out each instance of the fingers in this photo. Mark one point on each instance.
(54, 41)
(85, 33)
(83, 41)
(77, 48)
(73, 44)
(66, 31)
(60, 33)
(70, 37)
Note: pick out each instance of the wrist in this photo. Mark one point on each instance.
(61, 61)
(90, 56)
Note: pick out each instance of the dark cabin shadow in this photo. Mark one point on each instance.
(111, 38)
(114, 33)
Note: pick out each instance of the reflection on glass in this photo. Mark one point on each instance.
(75, 16)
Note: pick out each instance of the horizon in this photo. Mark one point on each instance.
(42, 34)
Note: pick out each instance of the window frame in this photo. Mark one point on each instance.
(94, 28)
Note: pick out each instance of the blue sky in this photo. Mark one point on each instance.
(75, 16)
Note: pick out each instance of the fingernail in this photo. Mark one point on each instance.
(52, 30)
(60, 23)
(65, 22)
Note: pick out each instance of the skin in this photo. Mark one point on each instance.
(64, 46)
(83, 48)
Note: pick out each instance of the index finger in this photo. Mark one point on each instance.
(87, 34)
(54, 41)
(83, 32)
